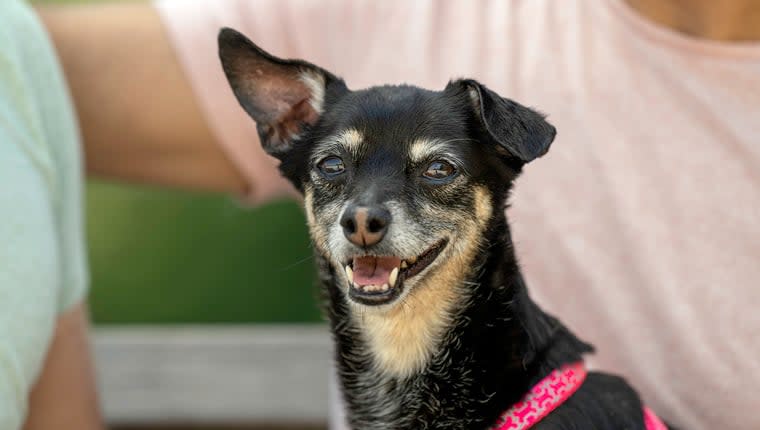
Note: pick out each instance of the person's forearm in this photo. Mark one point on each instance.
(139, 118)
(64, 396)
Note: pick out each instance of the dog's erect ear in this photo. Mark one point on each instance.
(282, 96)
(523, 132)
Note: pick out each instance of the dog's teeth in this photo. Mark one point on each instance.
(384, 287)
(392, 279)
(349, 274)
(404, 265)
(412, 260)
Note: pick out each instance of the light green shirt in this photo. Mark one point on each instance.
(43, 268)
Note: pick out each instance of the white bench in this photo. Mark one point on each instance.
(213, 374)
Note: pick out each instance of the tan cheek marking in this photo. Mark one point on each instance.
(483, 205)
(308, 203)
(405, 337)
(318, 233)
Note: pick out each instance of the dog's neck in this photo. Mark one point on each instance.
(493, 343)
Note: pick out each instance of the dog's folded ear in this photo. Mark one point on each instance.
(521, 131)
(282, 96)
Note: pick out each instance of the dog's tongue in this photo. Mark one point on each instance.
(374, 270)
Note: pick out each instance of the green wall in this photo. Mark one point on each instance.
(167, 256)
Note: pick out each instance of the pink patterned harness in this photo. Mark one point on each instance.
(548, 394)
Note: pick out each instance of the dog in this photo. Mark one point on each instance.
(405, 192)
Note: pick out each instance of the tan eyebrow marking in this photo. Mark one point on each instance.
(419, 149)
(422, 148)
(349, 140)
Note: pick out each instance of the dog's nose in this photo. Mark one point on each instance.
(365, 226)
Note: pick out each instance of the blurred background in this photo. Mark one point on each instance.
(167, 264)
(161, 256)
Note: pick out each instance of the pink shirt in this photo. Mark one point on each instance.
(640, 228)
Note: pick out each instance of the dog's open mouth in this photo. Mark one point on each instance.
(377, 280)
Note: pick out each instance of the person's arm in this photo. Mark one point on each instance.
(64, 396)
(139, 117)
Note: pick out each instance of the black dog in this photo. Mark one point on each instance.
(405, 191)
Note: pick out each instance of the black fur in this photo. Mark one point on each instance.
(500, 342)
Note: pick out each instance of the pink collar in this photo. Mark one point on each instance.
(543, 398)
(549, 394)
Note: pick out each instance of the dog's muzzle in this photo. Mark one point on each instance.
(377, 280)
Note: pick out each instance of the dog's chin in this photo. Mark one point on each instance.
(380, 281)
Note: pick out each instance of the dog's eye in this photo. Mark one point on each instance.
(439, 170)
(331, 166)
